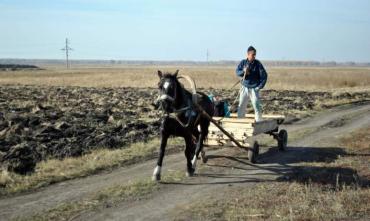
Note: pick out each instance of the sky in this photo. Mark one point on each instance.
(319, 30)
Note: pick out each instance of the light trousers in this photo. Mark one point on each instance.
(247, 94)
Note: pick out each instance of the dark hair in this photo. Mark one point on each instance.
(251, 48)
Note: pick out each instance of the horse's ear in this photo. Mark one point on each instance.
(176, 73)
(160, 74)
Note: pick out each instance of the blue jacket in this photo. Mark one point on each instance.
(257, 74)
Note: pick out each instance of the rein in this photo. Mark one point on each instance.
(187, 109)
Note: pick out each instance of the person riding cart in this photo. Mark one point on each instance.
(254, 77)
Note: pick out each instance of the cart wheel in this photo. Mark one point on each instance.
(282, 139)
(252, 154)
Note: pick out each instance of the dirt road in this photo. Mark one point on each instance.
(226, 167)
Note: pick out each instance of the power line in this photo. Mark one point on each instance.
(67, 49)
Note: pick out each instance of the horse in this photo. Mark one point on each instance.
(181, 119)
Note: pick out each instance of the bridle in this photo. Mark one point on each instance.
(165, 97)
(188, 109)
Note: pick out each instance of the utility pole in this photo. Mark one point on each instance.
(207, 55)
(67, 49)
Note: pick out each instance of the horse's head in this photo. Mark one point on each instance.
(169, 90)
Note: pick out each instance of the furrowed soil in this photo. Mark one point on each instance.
(41, 122)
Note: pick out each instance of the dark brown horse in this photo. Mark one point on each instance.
(181, 119)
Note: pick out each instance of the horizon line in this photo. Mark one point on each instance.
(184, 60)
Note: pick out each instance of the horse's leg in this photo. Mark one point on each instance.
(189, 153)
(199, 149)
(157, 170)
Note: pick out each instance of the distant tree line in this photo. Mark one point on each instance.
(112, 62)
(14, 67)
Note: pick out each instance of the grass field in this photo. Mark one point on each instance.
(280, 78)
(314, 195)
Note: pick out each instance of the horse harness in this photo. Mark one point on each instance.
(189, 110)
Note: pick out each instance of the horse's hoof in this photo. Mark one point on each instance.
(156, 177)
(190, 172)
(204, 157)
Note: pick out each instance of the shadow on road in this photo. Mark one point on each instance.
(274, 165)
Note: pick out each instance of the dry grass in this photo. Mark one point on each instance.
(283, 202)
(303, 78)
(105, 198)
(358, 145)
(334, 190)
(53, 170)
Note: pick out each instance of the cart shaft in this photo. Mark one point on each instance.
(205, 114)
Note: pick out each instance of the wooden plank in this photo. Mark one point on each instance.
(233, 130)
(225, 143)
(238, 136)
(233, 133)
(238, 125)
(248, 116)
(212, 142)
(248, 130)
(235, 120)
(205, 114)
(242, 138)
(268, 116)
(233, 127)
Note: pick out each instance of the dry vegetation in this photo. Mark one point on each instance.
(300, 78)
(54, 170)
(359, 153)
(105, 198)
(339, 190)
(283, 202)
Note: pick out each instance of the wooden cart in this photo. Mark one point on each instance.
(240, 132)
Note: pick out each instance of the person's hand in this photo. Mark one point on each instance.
(257, 89)
(245, 69)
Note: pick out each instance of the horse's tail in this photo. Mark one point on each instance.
(208, 107)
(206, 130)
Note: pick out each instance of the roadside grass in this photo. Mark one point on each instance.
(332, 190)
(358, 153)
(105, 198)
(54, 170)
(282, 201)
